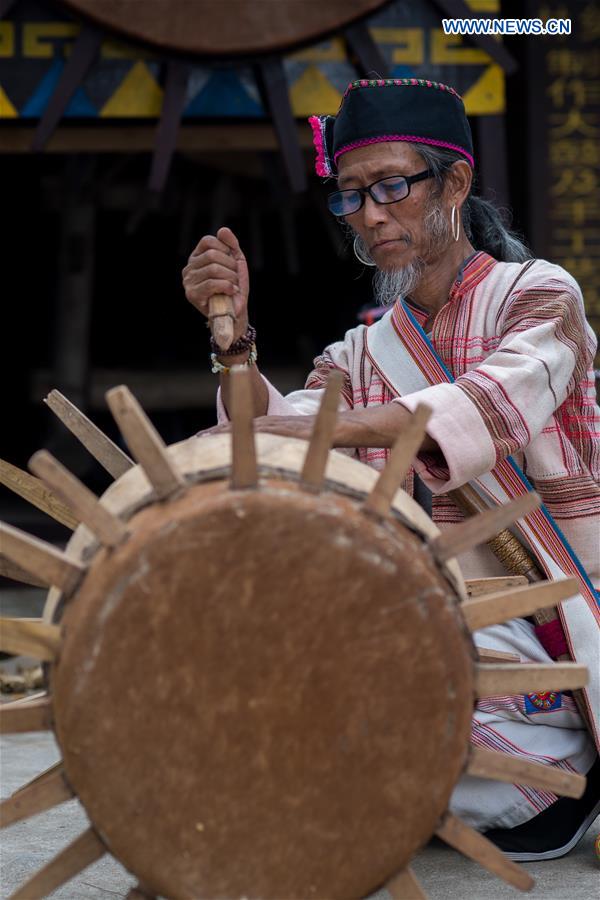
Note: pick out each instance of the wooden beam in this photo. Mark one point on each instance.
(477, 847)
(178, 74)
(85, 850)
(109, 529)
(478, 529)
(493, 680)
(403, 453)
(35, 799)
(9, 569)
(477, 587)
(493, 609)
(404, 886)
(321, 439)
(132, 138)
(43, 776)
(144, 442)
(33, 555)
(273, 86)
(36, 493)
(244, 468)
(371, 60)
(517, 770)
(19, 717)
(95, 441)
(83, 53)
(499, 656)
(23, 638)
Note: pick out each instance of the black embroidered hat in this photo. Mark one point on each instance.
(392, 109)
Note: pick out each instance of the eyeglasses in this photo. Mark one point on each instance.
(387, 190)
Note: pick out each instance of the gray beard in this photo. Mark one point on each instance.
(393, 283)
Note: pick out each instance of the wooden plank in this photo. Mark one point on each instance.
(516, 770)
(482, 527)
(36, 493)
(95, 441)
(499, 656)
(33, 555)
(493, 609)
(35, 799)
(23, 638)
(477, 587)
(20, 716)
(174, 100)
(370, 58)
(404, 886)
(85, 850)
(133, 138)
(493, 680)
(477, 847)
(109, 529)
(10, 569)
(401, 458)
(83, 53)
(506, 546)
(321, 439)
(273, 86)
(244, 468)
(144, 441)
(42, 777)
(28, 698)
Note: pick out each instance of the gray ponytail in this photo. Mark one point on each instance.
(484, 224)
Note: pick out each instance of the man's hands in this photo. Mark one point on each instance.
(218, 266)
(287, 426)
(375, 426)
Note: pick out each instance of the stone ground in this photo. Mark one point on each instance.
(443, 873)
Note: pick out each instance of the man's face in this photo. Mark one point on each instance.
(395, 234)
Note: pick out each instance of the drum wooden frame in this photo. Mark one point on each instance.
(259, 663)
(199, 27)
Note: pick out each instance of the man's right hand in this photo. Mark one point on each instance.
(218, 266)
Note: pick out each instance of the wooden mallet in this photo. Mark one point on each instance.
(221, 318)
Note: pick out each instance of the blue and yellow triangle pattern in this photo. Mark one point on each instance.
(125, 83)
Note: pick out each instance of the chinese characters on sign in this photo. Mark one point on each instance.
(572, 126)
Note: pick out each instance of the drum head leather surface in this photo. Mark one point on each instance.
(263, 694)
(214, 28)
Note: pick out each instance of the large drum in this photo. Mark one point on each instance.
(261, 678)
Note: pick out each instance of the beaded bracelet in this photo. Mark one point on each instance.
(243, 343)
(219, 368)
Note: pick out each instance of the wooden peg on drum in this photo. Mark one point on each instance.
(221, 318)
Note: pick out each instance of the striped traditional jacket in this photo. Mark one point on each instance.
(522, 356)
(517, 342)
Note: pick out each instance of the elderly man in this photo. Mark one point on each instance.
(497, 345)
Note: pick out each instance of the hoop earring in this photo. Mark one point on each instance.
(455, 223)
(365, 260)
